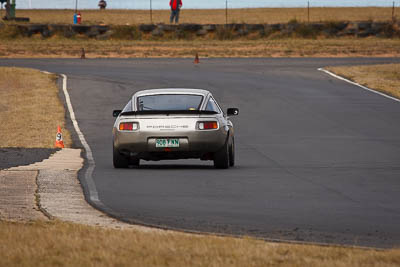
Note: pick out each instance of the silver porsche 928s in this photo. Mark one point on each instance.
(160, 124)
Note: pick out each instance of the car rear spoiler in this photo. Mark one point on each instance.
(163, 112)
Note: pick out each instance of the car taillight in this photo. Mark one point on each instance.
(128, 126)
(207, 125)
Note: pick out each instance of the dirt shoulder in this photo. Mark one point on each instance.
(18, 199)
(289, 47)
(52, 188)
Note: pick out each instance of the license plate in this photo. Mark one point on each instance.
(172, 142)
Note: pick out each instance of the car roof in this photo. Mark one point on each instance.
(172, 91)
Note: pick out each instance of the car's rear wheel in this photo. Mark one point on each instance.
(232, 153)
(221, 157)
(119, 160)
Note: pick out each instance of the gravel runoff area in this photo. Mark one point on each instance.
(50, 190)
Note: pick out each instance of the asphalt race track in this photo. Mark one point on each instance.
(318, 159)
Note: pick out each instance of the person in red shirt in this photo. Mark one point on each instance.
(175, 8)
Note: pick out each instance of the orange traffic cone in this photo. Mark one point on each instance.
(196, 59)
(59, 141)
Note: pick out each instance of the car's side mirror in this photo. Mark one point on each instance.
(232, 111)
(116, 112)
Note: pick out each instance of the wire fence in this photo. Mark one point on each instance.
(266, 11)
(196, 4)
(221, 11)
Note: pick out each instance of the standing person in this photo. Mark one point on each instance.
(175, 8)
(102, 4)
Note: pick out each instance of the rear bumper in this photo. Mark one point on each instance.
(192, 144)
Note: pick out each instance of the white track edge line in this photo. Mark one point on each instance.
(93, 194)
(359, 85)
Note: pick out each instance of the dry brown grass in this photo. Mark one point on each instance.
(66, 244)
(343, 47)
(30, 109)
(210, 46)
(214, 16)
(384, 78)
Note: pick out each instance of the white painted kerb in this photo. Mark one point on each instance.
(93, 195)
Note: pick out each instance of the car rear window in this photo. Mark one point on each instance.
(169, 102)
(212, 106)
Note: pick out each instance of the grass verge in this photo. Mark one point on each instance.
(30, 109)
(384, 78)
(290, 47)
(65, 244)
